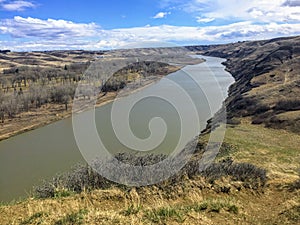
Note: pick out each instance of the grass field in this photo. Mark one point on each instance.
(192, 200)
(278, 151)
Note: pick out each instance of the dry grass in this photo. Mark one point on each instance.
(45, 59)
(191, 201)
(118, 207)
(278, 151)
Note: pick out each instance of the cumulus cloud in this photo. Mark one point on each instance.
(20, 27)
(16, 5)
(291, 3)
(247, 10)
(204, 19)
(36, 34)
(226, 33)
(161, 15)
(261, 19)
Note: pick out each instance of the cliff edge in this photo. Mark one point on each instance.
(267, 75)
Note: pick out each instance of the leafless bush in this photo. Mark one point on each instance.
(296, 184)
(83, 177)
(245, 172)
(288, 105)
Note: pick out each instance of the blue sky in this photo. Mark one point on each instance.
(27, 25)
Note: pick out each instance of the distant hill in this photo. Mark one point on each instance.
(45, 59)
(267, 75)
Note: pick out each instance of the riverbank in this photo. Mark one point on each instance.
(190, 200)
(267, 80)
(50, 113)
(15, 124)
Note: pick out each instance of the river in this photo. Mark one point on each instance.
(28, 158)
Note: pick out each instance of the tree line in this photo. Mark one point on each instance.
(25, 88)
(124, 76)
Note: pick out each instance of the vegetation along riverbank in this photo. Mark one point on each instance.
(38, 88)
(254, 179)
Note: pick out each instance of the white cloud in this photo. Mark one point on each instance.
(261, 19)
(161, 15)
(248, 10)
(204, 19)
(16, 5)
(36, 34)
(20, 27)
(226, 33)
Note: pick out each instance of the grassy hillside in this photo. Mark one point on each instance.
(46, 59)
(192, 199)
(267, 77)
(255, 177)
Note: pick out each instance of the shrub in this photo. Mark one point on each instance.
(83, 177)
(261, 109)
(295, 186)
(46, 190)
(258, 120)
(288, 105)
(245, 172)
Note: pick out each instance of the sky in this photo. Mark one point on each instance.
(30, 25)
